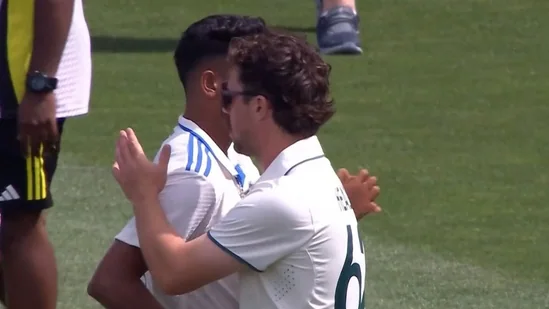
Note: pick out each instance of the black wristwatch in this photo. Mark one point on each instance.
(38, 82)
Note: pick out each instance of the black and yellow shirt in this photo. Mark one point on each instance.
(73, 73)
(16, 36)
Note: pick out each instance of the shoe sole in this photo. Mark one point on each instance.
(343, 49)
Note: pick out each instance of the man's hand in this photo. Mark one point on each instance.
(362, 190)
(37, 124)
(138, 177)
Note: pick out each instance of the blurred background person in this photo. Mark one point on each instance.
(45, 77)
(337, 27)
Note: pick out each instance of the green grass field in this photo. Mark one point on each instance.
(449, 106)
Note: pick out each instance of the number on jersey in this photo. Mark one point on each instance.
(349, 271)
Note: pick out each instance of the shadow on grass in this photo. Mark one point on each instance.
(112, 44)
(122, 44)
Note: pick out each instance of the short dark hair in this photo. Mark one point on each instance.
(291, 74)
(210, 37)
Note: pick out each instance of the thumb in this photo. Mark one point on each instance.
(164, 158)
(116, 171)
(343, 174)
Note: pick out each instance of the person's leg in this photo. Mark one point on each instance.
(337, 27)
(28, 261)
(327, 5)
(29, 268)
(2, 290)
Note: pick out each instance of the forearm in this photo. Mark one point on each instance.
(127, 295)
(160, 244)
(52, 21)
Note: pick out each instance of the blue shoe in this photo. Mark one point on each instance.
(337, 32)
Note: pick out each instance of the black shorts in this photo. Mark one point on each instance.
(24, 181)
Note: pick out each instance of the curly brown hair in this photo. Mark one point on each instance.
(290, 73)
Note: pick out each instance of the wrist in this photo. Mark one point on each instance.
(145, 199)
(40, 83)
(39, 96)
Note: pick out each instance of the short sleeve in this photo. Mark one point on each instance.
(262, 229)
(188, 200)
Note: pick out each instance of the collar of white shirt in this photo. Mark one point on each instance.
(299, 152)
(192, 128)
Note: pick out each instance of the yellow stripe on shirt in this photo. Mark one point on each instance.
(20, 36)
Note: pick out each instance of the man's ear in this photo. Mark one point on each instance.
(208, 83)
(262, 107)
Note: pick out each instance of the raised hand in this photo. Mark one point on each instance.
(138, 177)
(362, 190)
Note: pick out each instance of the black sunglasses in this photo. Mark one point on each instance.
(227, 96)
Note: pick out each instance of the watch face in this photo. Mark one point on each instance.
(38, 83)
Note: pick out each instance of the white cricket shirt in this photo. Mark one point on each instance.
(298, 234)
(203, 185)
(75, 69)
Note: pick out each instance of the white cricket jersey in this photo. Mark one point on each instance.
(298, 234)
(75, 69)
(203, 185)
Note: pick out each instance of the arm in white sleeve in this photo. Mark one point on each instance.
(188, 200)
(263, 228)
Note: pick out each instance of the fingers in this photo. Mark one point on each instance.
(51, 137)
(116, 171)
(133, 143)
(371, 185)
(374, 191)
(29, 139)
(36, 139)
(129, 151)
(122, 158)
(376, 207)
(343, 174)
(371, 182)
(363, 175)
(122, 154)
(369, 192)
(117, 153)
